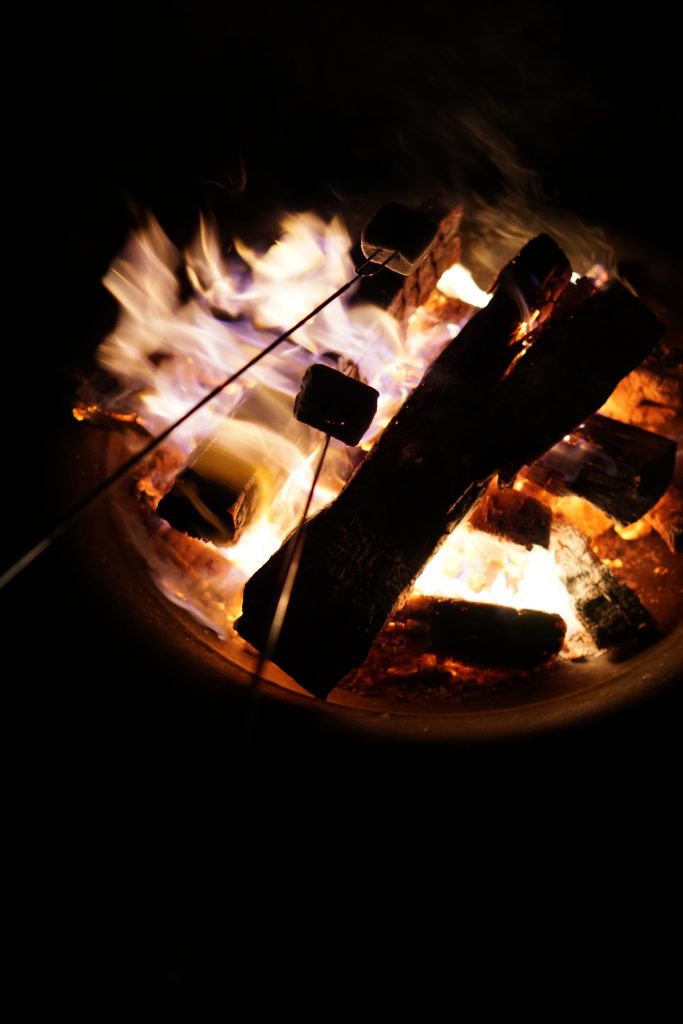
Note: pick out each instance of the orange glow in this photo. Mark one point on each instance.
(526, 326)
(634, 530)
(87, 412)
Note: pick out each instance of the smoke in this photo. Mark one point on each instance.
(343, 109)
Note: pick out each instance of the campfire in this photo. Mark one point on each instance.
(511, 503)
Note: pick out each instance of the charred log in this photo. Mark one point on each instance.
(461, 424)
(622, 469)
(400, 296)
(214, 498)
(207, 509)
(513, 516)
(609, 610)
(566, 374)
(487, 634)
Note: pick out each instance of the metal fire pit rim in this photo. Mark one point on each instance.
(547, 701)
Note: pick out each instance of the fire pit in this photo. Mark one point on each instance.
(600, 587)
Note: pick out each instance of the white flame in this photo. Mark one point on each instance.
(458, 283)
(475, 566)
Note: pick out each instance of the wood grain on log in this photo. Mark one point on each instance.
(610, 611)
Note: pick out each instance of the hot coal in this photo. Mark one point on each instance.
(335, 404)
(99, 401)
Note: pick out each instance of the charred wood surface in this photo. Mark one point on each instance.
(622, 469)
(466, 420)
(207, 509)
(400, 296)
(513, 516)
(487, 634)
(609, 610)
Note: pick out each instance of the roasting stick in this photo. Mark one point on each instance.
(289, 571)
(368, 267)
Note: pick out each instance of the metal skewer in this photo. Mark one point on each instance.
(106, 485)
(289, 571)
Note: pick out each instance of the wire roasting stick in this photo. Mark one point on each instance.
(390, 222)
(339, 407)
(289, 571)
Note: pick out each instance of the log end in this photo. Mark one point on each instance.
(489, 635)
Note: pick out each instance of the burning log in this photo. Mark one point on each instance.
(487, 634)
(207, 503)
(400, 296)
(622, 469)
(514, 516)
(470, 416)
(609, 610)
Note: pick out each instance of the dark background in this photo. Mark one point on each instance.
(160, 842)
